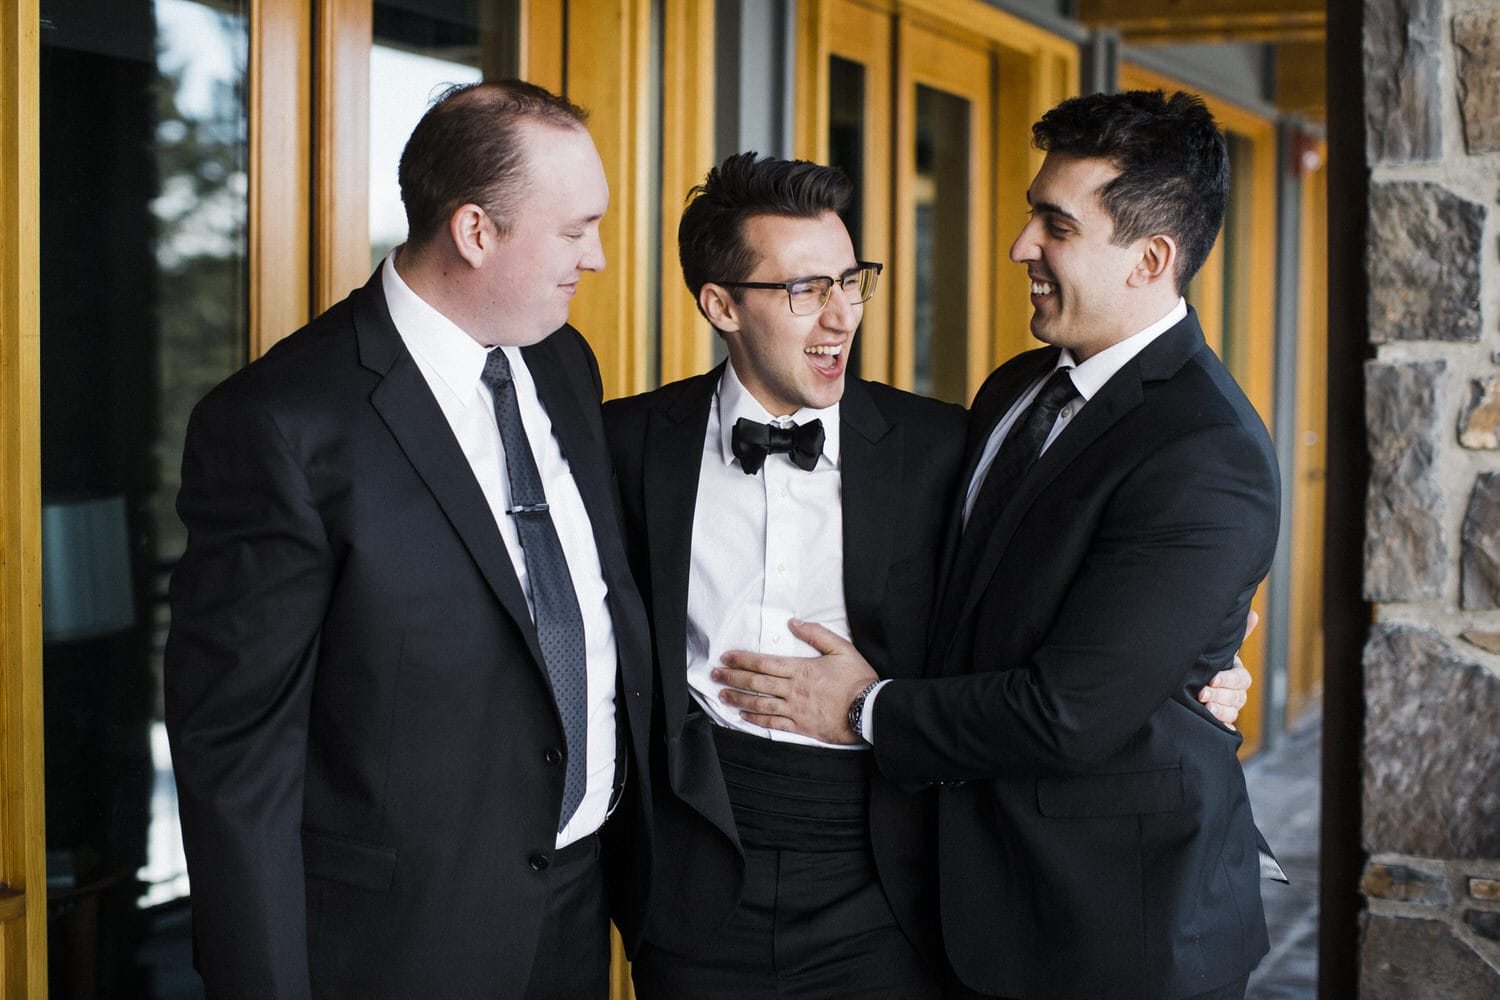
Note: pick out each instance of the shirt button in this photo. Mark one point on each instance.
(781, 567)
(552, 756)
(775, 640)
(1067, 412)
(781, 493)
(539, 862)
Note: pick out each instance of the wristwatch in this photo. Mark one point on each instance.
(857, 710)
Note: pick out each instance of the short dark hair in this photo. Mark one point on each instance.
(468, 148)
(711, 236)
(1174, 166)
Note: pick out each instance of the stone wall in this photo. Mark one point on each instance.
(1431, 765)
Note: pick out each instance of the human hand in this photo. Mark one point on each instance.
(802, 694)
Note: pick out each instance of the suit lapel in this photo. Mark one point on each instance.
(1119, 396)
(870, 475)
(404, 401)
(672, 461)
(991, 403)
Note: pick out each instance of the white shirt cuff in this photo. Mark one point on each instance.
(867, 717)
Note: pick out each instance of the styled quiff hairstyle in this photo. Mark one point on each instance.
(469, 148)
(1174, 167)
(711, 236)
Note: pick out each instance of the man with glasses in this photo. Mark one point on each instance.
(776, 487)
(1120, 508)
(768, 488)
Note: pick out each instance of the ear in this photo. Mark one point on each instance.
(719, 307)
(472, 232)
(1158, 261)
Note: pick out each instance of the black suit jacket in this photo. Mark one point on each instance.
(899, 459)
(360, 718)
(1095, 835)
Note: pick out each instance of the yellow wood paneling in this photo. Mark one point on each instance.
(1026, 71)
(341, 221)
(281, 143)
(542, 42)
(927, 58)
(1309, 466)
(23, 875)
(608, 45)
(1160, 21)
(864, 37)
(687, 153)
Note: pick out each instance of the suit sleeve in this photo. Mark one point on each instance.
(1156, 605)
(248, 598)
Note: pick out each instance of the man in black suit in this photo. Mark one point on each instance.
(408, 674)
(1095, 838)
(769, 487)
(785, 868)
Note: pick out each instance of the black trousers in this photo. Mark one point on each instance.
(813, 921)
(572, 955)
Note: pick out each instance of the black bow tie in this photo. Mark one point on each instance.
(753, 441)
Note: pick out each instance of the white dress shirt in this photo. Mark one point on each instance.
(766, 548)
(451, 361)
(1088, 378)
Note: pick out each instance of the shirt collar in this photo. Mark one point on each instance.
(1089, 377)
(457, 358)
(734, 401)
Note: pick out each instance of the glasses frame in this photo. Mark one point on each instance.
(786, 286)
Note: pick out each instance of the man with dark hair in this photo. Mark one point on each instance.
(1120, 508)
(773, 486)
(408, 673)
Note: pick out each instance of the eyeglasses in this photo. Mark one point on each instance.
(807, 296)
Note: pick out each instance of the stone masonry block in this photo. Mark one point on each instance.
(1485, 923)
(1431, 756)
(1405, 959)
(1480, 562)
(1406, 547)
(1405, 884)
(1423, 255)
(1403, 90)
(1487, 641)
(1476, 37)
(1479, 421)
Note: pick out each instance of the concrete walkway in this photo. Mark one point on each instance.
(1284, 791)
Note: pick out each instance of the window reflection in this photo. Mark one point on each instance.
(414, 57)
(942, 246)
(143, 308)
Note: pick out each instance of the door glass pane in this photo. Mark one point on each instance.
(419, 49)
(942, 246)
(143, 308)
(846, 149)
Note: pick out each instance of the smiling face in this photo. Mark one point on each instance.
(534, 269)
(789, 362)
(1085, 290)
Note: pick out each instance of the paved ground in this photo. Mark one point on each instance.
(1284, 790)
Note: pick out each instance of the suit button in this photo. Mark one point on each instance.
(553, 755)
(539, 862)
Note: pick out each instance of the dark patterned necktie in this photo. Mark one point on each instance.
(559, 623)
(752, 441)
(1017, 453)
